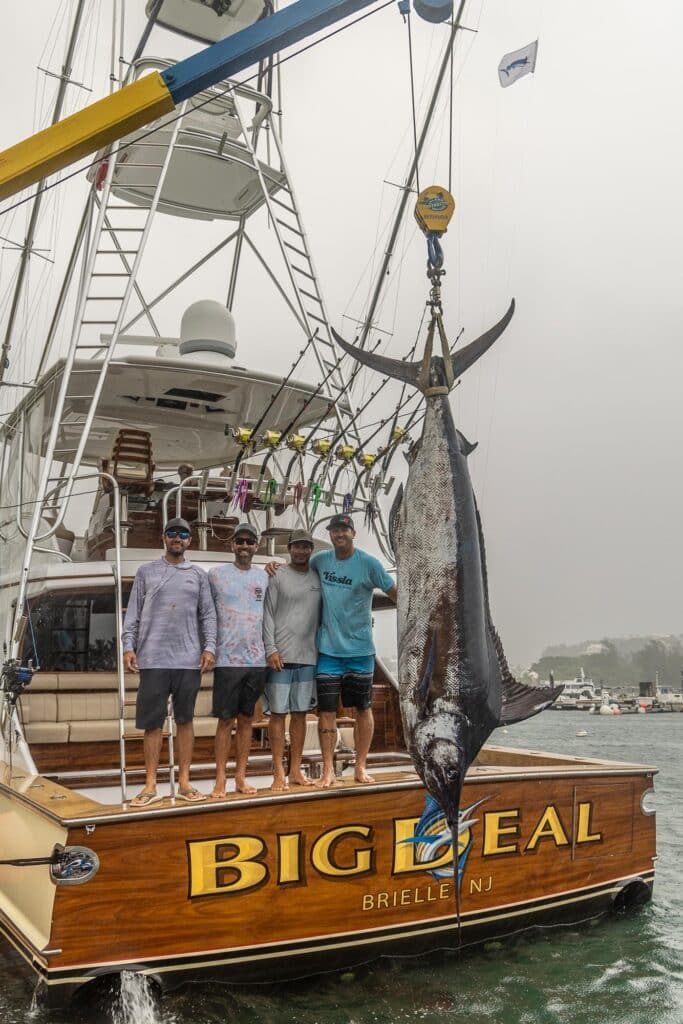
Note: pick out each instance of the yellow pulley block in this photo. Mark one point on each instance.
(242, 435)
(399, 435)
(321, 446)
(345, 452)
(296, 442)
(367, 459)
(433, 210)
(271, 438)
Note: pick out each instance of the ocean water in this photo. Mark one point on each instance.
(622, 971)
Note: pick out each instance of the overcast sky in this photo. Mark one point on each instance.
(568, 192)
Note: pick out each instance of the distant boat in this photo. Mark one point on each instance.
(580, 694)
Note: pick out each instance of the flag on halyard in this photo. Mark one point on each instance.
(517, 64)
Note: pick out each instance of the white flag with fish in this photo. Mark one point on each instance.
(517, 64)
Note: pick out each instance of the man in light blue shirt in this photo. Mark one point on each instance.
(346, 658)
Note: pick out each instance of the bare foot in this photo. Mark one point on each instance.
(326, 782)
(279, 784)
(361, 775)
(218, 794)
(300, 780)
(242, 786)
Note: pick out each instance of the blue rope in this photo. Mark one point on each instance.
(434, 251)
(33, 635)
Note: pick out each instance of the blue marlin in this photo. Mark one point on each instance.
(455, 683)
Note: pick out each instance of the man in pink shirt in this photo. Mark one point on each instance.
(238, 590)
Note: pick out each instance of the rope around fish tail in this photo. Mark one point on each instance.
(456, 875)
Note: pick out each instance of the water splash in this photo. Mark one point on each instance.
(136, 1002)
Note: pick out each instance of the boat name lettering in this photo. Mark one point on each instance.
(237, 864)
(404, 897)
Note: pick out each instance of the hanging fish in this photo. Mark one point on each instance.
(455, 684)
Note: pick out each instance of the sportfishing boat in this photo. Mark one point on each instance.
(120, 425)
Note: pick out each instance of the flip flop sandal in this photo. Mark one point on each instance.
(145, 799)
(191, 796)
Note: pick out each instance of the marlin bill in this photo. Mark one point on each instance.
(455, 684)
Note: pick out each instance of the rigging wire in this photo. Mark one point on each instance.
(412, 97)
(450, 122)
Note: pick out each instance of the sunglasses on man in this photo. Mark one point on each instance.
(244, 540)
(183, 534)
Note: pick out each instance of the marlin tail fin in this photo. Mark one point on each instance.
(409, 372)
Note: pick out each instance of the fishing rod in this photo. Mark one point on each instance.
(405, 385)
(293, 422)
(374, 394)
(246, 437)
(279, 391)
(316, 426)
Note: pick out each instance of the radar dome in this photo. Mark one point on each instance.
(207, 326)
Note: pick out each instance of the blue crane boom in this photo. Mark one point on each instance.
(153, 95)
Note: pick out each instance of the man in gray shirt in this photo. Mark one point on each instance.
(169, 637)
(291, 615)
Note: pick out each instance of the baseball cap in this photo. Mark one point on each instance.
(341, 520)
(300, 537)
(178, 524)
(246, 528)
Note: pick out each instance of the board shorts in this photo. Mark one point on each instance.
(156, 686)
(236, 690)
(348, 678)
(292, 689)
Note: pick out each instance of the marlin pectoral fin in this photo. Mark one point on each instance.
(467, 356)
(396, 368)
(520, 701)
(429, 667)
(394, 518)
(466, 447)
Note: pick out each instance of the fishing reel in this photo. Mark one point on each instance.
(14, 678)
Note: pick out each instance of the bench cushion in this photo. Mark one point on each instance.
(47, 732)
(39, 707)
(90, 707)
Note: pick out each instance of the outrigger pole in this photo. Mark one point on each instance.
(153, 95)
(27, 248)
(407, 188)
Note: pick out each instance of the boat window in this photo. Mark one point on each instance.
(73, 632)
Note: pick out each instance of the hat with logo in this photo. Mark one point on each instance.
(246, 528)
(177, 524)
(300, 537)
(341, 520)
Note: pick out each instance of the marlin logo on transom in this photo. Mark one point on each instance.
(432, 833)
